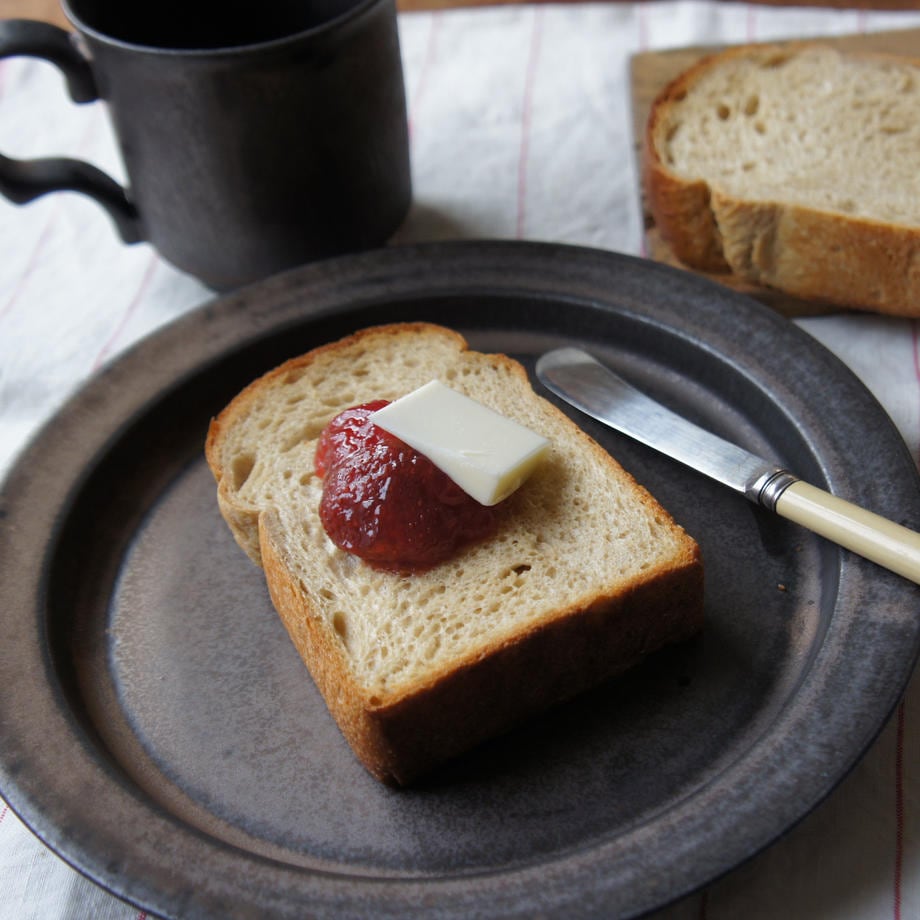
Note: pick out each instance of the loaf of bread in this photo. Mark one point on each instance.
(796, 167)
(585, 575)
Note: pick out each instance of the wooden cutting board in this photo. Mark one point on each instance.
(651, 71)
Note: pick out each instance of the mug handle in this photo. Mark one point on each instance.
(23, 180)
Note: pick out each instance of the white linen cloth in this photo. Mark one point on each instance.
(520, 127)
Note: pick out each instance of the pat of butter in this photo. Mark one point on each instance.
(485, 453)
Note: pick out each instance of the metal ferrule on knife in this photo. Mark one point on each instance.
(767, 488)
(593, 388)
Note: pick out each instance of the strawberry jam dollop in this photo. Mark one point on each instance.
(388, 504)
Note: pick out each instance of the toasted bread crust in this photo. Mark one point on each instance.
(400, 732)
(401, 739)
(680, 207)
(536, 670)
(242, 517)
(812, 253)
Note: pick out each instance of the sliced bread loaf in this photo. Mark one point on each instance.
(796, 167)
(586, 574)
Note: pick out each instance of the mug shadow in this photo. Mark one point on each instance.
(425, 223)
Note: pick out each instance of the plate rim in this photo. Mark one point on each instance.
(437, 267)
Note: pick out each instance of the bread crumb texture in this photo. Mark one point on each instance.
(810, 126)
(569, 538)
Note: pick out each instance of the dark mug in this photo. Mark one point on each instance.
(255, 136)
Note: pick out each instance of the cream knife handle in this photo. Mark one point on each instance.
(870, 535)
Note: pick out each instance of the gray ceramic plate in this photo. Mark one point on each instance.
(159, 732)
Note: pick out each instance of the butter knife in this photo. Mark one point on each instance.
(590, 386)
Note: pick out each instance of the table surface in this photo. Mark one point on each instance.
(521, 128)
(50, 10)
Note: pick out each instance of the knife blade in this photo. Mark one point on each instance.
(593, 388)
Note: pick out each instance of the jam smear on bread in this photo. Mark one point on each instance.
(387, 503)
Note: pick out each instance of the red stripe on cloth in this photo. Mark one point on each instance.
(643, 40)
(32, 264)
(527, 116)
(899, 809)
(642, 23)
(915, 338)
(901, 730)
(751, 23)
(45, 234)
(128, 313)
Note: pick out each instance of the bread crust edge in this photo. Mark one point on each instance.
(419, 728)
(243, 517)
(403, 735)
(816, 255)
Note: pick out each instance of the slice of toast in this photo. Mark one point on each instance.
(585, 575)
(794, 167)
